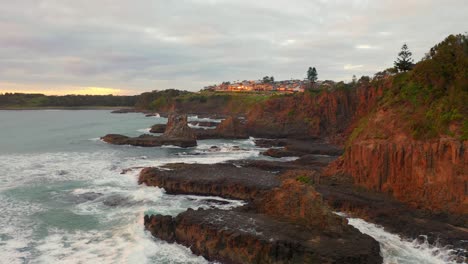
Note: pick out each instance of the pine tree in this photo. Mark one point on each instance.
(312, 74)
(404, 61)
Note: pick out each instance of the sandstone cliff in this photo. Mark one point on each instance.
(430, 174)
(312, 115)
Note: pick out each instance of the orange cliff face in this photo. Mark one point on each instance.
(430, 174)
(327, 114)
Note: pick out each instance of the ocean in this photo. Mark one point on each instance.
(64, 198)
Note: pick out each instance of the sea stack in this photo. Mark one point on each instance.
(178, 131)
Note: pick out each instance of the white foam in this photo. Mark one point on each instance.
(204, 119)
(197, 126)
(395, 249)
(123, 244)
(144, 130)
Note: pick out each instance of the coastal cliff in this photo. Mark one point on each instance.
(429, 174)
(326, 113)
(413, 143)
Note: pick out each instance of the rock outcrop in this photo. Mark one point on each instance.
(224, 180)
(158, 128)
(230, 128)
(246, 237)
(430, 174)
(177, 133)
(286, 220)
(297, 148)
(177, 128)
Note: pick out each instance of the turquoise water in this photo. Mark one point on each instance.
(63, 197)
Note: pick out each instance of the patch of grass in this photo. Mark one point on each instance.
(304, 179)
(464, 135)
(358, 130)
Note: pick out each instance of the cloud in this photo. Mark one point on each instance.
(365, 47)
(352, 67)
(157, 44)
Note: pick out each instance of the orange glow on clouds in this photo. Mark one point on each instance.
(60, 90)
(98, 91)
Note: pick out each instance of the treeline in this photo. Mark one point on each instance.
(432, 95)
(200, 102)
(22, 100)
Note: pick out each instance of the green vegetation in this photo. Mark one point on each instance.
(404, 61)
(304, 179)
(358, 130)
(157, 100)
(435, 93)
(312, 75)
(204, 101)
(21, 101)
(268, 79)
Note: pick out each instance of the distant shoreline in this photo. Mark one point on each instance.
(65, 108)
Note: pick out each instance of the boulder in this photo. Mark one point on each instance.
(158, 128)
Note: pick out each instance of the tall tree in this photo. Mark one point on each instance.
(404, 61)
(354, 79)
(312, 74)
(268, 79)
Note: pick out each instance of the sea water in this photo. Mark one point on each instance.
(64, 198)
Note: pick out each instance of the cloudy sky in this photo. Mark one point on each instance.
(127, 47)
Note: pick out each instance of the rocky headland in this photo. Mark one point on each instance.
(391, 150)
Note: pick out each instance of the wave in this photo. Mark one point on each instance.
(144, 130)
(395, 249)
(91, 213)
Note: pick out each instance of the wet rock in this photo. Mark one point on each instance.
(397, 217)
(158, 128)
(281, 152)
(116, 200)
(85, 197)
(230, 128)
(116, 139)
(295, 147)
(224, 180)
(177, 133)
(286, 220)
(245, 237)
(177, 127)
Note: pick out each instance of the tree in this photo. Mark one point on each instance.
(268, 79)
(312, 74)
(354, 79)
(404, 61)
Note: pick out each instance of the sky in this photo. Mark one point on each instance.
(129, 47)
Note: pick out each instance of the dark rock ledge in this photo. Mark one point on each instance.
(285, 220)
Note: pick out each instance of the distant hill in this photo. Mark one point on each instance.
(24, 101)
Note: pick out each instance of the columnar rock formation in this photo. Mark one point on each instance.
(430, 174)
(177, 133)
(177, 128)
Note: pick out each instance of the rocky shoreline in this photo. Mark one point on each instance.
(288, 216)
(284, 221)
